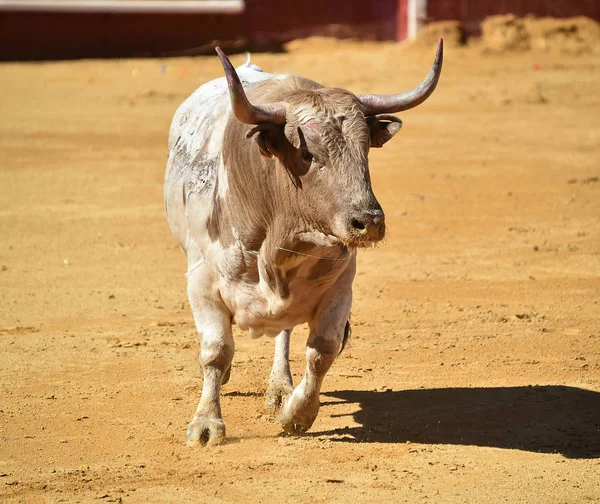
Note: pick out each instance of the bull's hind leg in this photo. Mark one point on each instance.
(280, 381)
(327, 332)
(213, 322)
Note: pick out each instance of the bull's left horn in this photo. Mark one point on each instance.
(273, 113)
(388, 104)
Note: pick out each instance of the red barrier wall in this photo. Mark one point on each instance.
(38, 35)
(285, 20)
(265, 24)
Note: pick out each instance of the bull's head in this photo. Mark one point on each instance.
(322, 136)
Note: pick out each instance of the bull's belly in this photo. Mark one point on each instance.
(269, 326)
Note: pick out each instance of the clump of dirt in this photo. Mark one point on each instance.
(512, 33)
(451, 31)
(573, 35)
(505, 33)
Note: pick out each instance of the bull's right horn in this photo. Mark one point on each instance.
(273, 113)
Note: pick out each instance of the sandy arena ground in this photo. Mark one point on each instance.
(474, 370)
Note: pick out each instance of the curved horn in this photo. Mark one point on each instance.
(388, 104)
(246, 112)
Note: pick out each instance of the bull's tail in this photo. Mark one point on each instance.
(347, 336)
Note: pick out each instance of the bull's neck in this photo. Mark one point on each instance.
(254, 194)
(264, 212)
(262, 205)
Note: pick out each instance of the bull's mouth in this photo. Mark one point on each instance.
(364, 238)
(361, 242)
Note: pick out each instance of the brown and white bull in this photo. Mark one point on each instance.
(270, 219)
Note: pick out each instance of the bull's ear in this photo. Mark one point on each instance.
(265, 136)
(382, 127)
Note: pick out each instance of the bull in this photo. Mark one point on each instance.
(270, 219)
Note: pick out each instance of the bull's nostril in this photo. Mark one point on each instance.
(356, 224)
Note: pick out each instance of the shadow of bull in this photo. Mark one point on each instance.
(543, 419)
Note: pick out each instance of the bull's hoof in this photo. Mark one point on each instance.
(276, 395)
(294, 428)
(205, 431)
(295, 419)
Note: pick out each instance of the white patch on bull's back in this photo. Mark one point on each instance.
(195, 146)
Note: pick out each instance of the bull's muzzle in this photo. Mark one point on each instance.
(368, 226)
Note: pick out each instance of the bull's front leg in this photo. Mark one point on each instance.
(280, 381)
(300, 409)
(213, 322)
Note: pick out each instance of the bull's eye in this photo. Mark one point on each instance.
(307, 156)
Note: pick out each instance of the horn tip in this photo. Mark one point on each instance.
(224, 59)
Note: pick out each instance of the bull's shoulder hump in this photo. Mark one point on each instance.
(213, 95)
(214, 89)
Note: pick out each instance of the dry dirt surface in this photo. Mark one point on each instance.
(474, 370)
